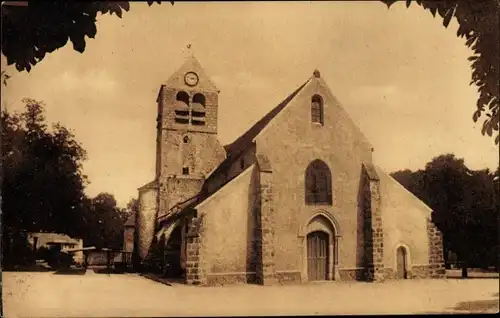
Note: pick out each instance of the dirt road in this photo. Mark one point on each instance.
(98, 295)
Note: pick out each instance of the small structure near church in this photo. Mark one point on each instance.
(128, 240)
(295, 198)
(59, 241)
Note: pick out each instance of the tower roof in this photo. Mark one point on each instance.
(191, 64)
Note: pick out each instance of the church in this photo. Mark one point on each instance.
(296, 198)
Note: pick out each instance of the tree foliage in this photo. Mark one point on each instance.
(43, 182)
(131, 209)
(43, 186)
(104, 222)
(42, 179)
(465, 206)
(478, 23)
(30, 32)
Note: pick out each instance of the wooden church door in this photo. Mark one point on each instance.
(401, 258)
(317, 256)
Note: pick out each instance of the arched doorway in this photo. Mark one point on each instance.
(317, 255)
(401, 263)
(319, 245)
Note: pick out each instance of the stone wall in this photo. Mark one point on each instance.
(374, 231)
(211, 108)
(220, 279)
(201, 153)
(436, 257)
(186, 153)
(194, 271)
(177, 189)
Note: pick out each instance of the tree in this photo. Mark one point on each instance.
(412, 181)
(482, 201)
(445, 179)
(131, 209)
(465, 207)
(104, 222)
(42, 181)
(30, 32)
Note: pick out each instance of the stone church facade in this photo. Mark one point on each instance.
(296, 198)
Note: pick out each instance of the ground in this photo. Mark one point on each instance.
(99, 295)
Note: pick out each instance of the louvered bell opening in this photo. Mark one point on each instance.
(198, 114)
(198, 110)
(182, 120)
(181, 113)
(198, 121)
(182, 116)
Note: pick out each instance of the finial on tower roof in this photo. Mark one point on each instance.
(190, 50)
(316, 73)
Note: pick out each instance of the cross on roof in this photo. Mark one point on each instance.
(190, 49)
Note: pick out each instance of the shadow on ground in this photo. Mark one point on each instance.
(71, 271)
(112, 270)
(27, 268)
(454, 277)
(453, 274)
(479, 306)
(158, 278)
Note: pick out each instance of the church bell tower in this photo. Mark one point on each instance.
(187, 149)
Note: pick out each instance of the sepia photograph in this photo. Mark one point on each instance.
(249, 158)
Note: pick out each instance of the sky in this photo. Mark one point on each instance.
(401, 76)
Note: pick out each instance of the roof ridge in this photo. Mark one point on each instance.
(245, 139)
(399, 185)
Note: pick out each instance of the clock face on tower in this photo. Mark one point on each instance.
(191, 78)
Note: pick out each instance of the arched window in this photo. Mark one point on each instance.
(183, 97)
(317, 109)
(199, 98)
(198, 110)
(318, 185)
(182, 108)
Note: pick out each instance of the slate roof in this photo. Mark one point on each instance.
(177, 211)
(149, 185)
(178, 208)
